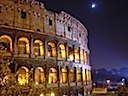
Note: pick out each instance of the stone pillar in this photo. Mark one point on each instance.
(89, 76)
(68, 75)
(58, 75)
(66, 52)
(73, 53)
(15, 46)
(81, 74)
(85, 76)
(75, 74)
(45, 49)
(55, 25)
(79, 56)
(57, 51)
(46, 75)
(32, 47)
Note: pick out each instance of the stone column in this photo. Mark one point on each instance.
(68, 75)
(46, 75)
(73, 53)
(85, 76)
(81, 74)
(45, 49)
(57, 51)
(79, 56)
(32, 47)
(55, 23)
(89, 76)
(15, 46)
(58, 75)
(66, 52)
(75, 74)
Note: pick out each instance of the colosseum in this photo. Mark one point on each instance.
(50, 48)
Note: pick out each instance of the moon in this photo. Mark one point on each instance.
(93, 5)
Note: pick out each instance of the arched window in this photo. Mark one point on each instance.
(82, 55)
(70, 53)
(51, 49)
(85, 56)
(23, 76)
(88, 73)
(63, 76)
(62, 51)
(38, 48)
(6, 43)
(72, 75)
(78, 75)
(39, 75)
(84, 75)
(23, 46)
(77, 54)
(52, 78)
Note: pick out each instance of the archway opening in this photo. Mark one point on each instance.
(6, 43)
(23, 46)
(51, 49)
(39, 75)
(52, 75)
(38, 48)
(62, 51)
(63, 75)
(23, 75)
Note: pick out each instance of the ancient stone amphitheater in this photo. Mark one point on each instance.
(53, 46)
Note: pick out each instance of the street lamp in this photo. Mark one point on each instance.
(36, 83)
(108, 82)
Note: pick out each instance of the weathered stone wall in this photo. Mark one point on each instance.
(32, 15)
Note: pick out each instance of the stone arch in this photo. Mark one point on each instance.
(62, 51)
(51, 49)
(85, 56)
(84, 75)
(23, 45)
(70, 53)
(39, 75)
(78, 75)
(6, 42)
(52, 77)
(63, 75)
(23, 75)
(77, 54)
(72, 75)
(38, 48)
(88, 74)
(81, 55)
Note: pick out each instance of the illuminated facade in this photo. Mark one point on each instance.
(54, 45)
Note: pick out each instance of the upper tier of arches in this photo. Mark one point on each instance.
(31, 15)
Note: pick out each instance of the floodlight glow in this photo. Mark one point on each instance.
(52, 94)
(41, 94)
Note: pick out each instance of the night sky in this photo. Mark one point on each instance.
(107, 26)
